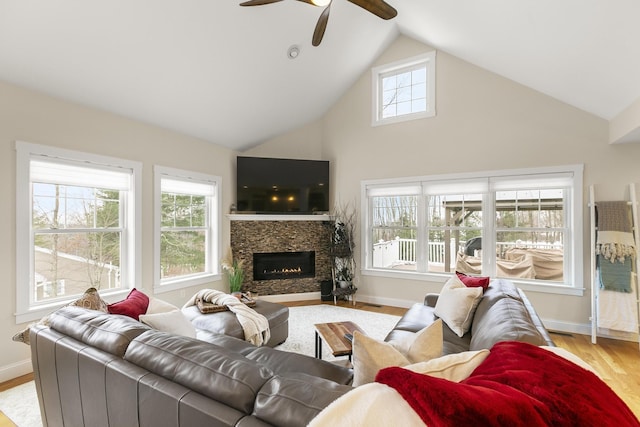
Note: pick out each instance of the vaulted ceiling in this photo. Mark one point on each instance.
(220, 72)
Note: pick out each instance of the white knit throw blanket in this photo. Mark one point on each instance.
(254, 324)
(615, 240)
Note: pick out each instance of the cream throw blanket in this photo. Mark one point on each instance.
(254, 324)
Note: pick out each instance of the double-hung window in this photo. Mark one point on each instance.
(77, 226)
(187, 228)
(522, 225)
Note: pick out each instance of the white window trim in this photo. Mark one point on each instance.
(429, 59)
(575, 248)
(24, 255)
(214, 220)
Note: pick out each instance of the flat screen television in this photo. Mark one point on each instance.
(282, 186)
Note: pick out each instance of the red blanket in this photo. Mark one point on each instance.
(518, 384)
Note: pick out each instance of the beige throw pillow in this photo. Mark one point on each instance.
(90, 299)
(173, 322)
(157, 305)
(453, 367)
(371, 355)
(457, 304)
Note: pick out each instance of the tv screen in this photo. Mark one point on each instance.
(266, 185)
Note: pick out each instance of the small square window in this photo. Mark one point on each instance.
(404, 90)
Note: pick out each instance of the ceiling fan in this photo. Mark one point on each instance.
(378, 7)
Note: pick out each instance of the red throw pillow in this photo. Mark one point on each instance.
(474, 281)
(133, 306)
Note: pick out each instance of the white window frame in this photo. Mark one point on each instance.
(131, 254)
(213, 227)
(377, 74)
(573, 268)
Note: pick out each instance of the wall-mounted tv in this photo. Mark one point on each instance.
(282, 186)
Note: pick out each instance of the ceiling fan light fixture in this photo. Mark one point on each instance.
(380, 8)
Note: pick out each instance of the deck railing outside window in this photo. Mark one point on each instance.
(392, 253)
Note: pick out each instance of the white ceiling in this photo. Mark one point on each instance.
(218, 71)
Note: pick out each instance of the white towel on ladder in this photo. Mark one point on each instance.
(618, 310)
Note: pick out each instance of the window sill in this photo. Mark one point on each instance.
(185, 282)
(435, 277)
(36, 313)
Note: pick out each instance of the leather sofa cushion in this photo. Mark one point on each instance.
(299, 394)
(420, 316)
(230, 343)
(225, 322)
(280, 362)
(108, 332)
(498, 289)
(208, 369)
(283, 362)
(502, 315)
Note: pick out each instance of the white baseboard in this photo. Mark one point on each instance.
(392, 302)
(567, 327)
(15, 370)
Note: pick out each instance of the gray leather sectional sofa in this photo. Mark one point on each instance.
(503, 314)
(96, 369)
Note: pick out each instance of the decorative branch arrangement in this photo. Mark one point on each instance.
(343, 244)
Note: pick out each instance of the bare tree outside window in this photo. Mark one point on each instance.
(77, 239)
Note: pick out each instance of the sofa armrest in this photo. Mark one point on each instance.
(430, 300)
(536, 319)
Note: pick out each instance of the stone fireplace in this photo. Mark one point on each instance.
(287, 255)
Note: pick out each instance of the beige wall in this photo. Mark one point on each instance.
(302, 143)
(483, 122)
(625, 127)
(36, 118)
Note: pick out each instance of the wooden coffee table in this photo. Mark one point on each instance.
(333, 335)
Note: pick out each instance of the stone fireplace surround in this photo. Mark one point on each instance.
(282, 233)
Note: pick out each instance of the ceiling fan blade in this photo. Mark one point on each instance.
(258, 2)
(318, 33)
(307, 1)
(380, 8)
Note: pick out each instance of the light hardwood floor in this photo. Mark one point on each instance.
(617, 362)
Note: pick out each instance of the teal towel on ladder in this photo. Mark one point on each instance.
(615, 276)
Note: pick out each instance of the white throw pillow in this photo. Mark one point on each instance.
(453, 367)
(371, 355)
(157, 305)
(171, 321)
(457, 304)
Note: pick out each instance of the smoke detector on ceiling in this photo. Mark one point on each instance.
(293, 51)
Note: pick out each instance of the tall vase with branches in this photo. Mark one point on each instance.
(343, 244)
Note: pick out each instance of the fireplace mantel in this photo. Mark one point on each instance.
(267, 217)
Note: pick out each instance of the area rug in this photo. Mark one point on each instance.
(302, 333)
(20, 403)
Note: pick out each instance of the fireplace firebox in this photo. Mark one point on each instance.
(284, 265)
